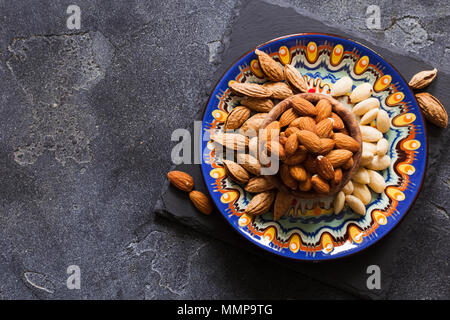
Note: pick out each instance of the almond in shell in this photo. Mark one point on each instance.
(259, 184)
(422, 79)
(249, 163)
(233, 141)
(236, 172)
(237, 117)
(260, 203)
(280, 90)
(294, 78)
(258, 105)
(432, 109)
(269, 66)
(250, 90)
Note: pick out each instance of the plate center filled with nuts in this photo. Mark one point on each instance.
(313, 146)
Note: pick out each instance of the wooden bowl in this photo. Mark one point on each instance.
(351, 125)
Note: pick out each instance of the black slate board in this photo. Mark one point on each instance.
(259, 22)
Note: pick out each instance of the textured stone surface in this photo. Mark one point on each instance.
(86, 122)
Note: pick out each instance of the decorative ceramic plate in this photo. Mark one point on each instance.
(311, 230)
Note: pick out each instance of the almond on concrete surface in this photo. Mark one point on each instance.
(260, 203)
(257, 104)
(339, 202)
(361, 92)
(201, 202)
(259, 184)
(325, 168)
(309, 140)
(282, 203)
(280, 90)
(303, 106)
(346, 142)
(236, 172)
(422, 79)
(355, 204)
(237, 117)
(294, 78)
(338, 157)
(271, 69)
(432, 109)
(287, 117)
(341, 87)
(320, 185)
(181, 180)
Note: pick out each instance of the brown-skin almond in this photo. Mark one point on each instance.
(325, 168)
(320, 185)
(298, 172)
(326, 145)
(339, 157)
(324, 128)
(291, 145)
(259, 184)
(324, 110)
(344, 141)
(338, 124)
(181, 180)
(201, 202)
(348, 164)
(306, 185)
(304, 123)
(298, 157)
(287, 178)
(310, 140)
(303, 106)
(287, 117)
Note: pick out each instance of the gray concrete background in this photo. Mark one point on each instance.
(86, 124)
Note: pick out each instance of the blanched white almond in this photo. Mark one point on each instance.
(362, 192)
(341, 87)
(361, 92)
(361, 176)
(369, 116)
(383, 121)
(370, 134)
(377, 182)
(355, 204)
(348, 188)
(382, 147)
(339, 202)
(369, 147)
(364, 106)
(379, 163)
(366, 158)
